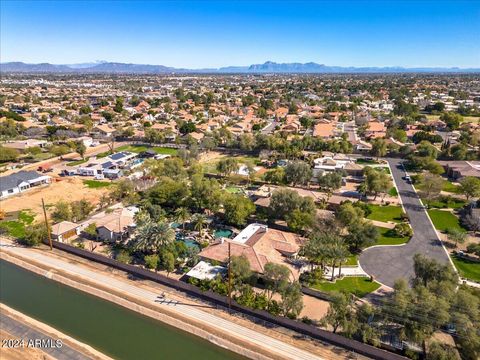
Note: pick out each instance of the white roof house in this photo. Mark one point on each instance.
(248, 232)
(204, 271)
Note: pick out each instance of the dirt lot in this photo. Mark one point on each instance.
(68, 189)
(210, 156)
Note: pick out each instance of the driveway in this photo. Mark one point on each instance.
(389, 263)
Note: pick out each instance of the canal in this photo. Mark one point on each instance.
(109, 328)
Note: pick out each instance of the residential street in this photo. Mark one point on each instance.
(389, 263)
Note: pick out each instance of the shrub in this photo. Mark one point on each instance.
(151, 261)
(123, 256)
(403, 230)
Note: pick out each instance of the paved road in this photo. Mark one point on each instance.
(235, 330)
(22, 331)
(389, 263)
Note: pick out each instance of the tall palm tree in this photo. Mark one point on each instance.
(182, 214)
(153, 236)
(200, 220)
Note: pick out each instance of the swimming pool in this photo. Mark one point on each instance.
(187, 240)
(223, 233)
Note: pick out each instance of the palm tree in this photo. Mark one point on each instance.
(182, 214)
(200, 220)
(153, 236)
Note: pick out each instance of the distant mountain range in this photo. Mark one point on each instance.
(269, 67)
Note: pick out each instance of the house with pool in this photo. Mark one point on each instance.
(260, 245)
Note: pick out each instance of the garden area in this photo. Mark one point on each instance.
(385, 213)
(356, 285)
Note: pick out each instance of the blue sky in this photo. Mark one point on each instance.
(198, 34)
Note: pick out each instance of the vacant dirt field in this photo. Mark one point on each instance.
(210, 156)
(68, 189)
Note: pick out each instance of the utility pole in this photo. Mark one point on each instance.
(229, 279)
(46, 224)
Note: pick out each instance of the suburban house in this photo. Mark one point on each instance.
(375, 129)
(21, 181)
(65, 230)
(325, 130)
(458, 169)
(109, 167)
(260, 245)
(116, 225)
(23, 145)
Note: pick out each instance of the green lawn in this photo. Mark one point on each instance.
(393, 191)
(387, 237)
(211, 166)
(367, 162)
(95, 184)
(357, 285)
(16, 228)
(77, 162)
(385, 213)
(352, 260)
(468, 269)
(233, 189)
(448, 186)
(444, 203)
(444, 220)
(139, 148)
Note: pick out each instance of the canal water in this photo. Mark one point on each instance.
(111, 329)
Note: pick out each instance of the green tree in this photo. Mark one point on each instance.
(227, 166)
(330, 182)
(285, 201)
(182, 214)
(340, 313)
(292, 299)
(240, 268)
(275, 176)
(430, 185)
(379, 148)
(151, 261)
(470, 187)
(376, 181)
(123, 256)
(276, 278)
(428, 270)
(200, 220)
(348, 214)
(298, 172)
(152, 237)
(91, 230)
(61, 212)
(237, 209)
(299, 221)
(452, 120)
(167, 261)
(35, 234)
(361, 235)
